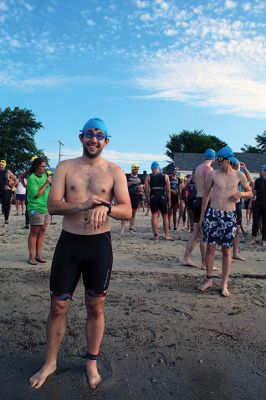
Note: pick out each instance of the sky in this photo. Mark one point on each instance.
(148, 68)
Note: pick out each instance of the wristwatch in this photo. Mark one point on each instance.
(109, 206)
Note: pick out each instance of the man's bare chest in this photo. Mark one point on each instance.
(83, 184)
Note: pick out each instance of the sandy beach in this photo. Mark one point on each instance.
(163, 339)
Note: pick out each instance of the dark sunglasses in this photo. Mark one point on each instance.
(90, 134)
(220, 159)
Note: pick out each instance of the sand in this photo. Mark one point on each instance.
(163, 339)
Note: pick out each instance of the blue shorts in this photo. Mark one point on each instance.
(219, 227)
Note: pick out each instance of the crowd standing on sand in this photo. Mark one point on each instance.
(88, 191)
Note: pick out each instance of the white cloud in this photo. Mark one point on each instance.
(141, 4)
(170, 32)
(3, 6)
(246, 7)
(229, 4)
(120, 158)
(224, 87)
(90, 22)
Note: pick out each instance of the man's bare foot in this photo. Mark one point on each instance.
(238, 257)
(92, 374)
(263, 243)
(224, 291)
(155, 236)
(188, 263)
(38, 379)
(253, 241)
(205, 285)
(169, 238)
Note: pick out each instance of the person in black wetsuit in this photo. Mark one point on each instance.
(158, 191)
(133, 182)
(259, 207)
(6, 177)
(174, 185)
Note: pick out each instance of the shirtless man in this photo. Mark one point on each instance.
(220, 219)
(200, 175)
(82, 191)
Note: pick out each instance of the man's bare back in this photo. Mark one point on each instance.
(200, 177)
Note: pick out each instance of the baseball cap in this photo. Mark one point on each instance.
(234, 161)
(209, 154)
(225, 152)
(95, 123)
(155, 165)
(263, 167)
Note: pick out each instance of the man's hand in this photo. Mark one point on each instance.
(92, 202)
(235, 197)
(6, 187)
(98, 216)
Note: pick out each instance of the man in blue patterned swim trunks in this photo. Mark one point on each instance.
(219, 225)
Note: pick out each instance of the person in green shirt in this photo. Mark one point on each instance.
(38, 188)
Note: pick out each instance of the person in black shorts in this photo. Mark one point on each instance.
(133, 182)
(157, 190)
(82, 191)
(239, 166)
(259, 207)
(7, 182)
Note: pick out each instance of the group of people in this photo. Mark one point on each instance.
(88, 192)
(31, 190)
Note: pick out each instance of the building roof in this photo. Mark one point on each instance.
(188, 161)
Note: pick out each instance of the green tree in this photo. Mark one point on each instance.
(261, 145)
(17, 130)
(191, 142)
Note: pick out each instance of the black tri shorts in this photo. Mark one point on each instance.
(135, 199)
(159, 202)
(88, 255)
(196, 206)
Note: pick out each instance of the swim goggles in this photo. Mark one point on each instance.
(90, 134)
(220, 159)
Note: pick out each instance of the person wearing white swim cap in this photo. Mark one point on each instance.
(219, 226)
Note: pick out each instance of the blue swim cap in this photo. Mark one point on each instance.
(209, 154)
(95, 123)
(155, 165)
(225, 152)
(263, 167)
(234, 161)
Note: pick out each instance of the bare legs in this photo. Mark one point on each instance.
(94, 334)
(226, 267)
(35, 241)
(154, 224)
(192, 241)
(236, 254)
(56, 328)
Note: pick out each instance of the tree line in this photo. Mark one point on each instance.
(18, 127)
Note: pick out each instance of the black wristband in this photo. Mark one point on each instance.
(109, 206)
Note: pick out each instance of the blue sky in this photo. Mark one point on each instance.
(148, 68)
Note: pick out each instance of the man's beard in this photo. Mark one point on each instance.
(87, 153)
